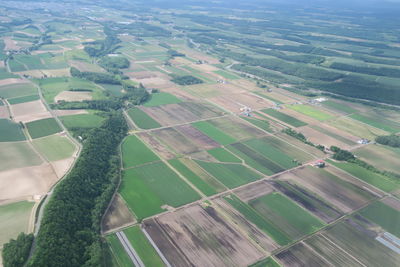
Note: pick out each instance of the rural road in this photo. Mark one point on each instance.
(130, 250)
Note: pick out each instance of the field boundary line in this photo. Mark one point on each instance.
(129, 249)
(159, 252)
(318, 254)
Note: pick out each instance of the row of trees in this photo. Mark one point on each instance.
(96, 77)
(389, 140)
(186, 80)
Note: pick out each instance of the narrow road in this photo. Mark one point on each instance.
(130, 250)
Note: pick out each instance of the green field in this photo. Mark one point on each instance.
(158, 99)
(312, 112)
(268, 262)
(333, 135)
(23, 99)
(383, 215)
(338, 107)
(293, 220)
(202, 185)
(231, 175)
(10, 131)
(214, 133)
(263, 223)
(375, 179)
(143, 248)
(381, 157)
(41, 128)
(17, 155)
(284, 118)
(135, 152)
(54, 147)
(114, 89)
(147, 188)
(223, 155)
(377, 123)
(6, 75)
(142, 120)
(227, 75)
(82, 121)
(263, 124)
(118, 251)
(17, 90)
(14, 219)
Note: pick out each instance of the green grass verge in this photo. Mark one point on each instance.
(23, 99)
(10, 131)
(214, 133)
(54, 147)
(143, 248)
(142, 120)
(147, 188)
(135, 152)
(158, 99)
(230, 175)
(284, 118)
(311, 112)
(41, 128)
(383, 215)
(202, 185)
(223, 155)
(118, 251)
(262, 223)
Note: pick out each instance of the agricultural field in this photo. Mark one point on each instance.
(17, 90)
(90, 120)
(284, 118)
(142, 119)
(10, 131)
(135, 152)
(312, 112)
(158, 99)
(153, 188)
(382, 157)
(22, 99)
(377, 122)
(54, 147)
(43, 128)
(120, 257)
(17, 155)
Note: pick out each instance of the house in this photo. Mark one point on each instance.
(319, 163)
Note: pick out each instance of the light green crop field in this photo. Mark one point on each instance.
(377, 123)
(268, 262)
(214, 133)
(41, 128)
(114, 89)
(23, 99)
(147, 188)
(118, 251)
(14, 219)
(263, 124)
(357, 128)
(17, 155)
(230, 175)
(223, 155)
(135, 152)
(10, 131)
(284, 118)
(82, 121)
(382, 157)
(143, 248)
(264, 224)
(142, 120)
(6, 75)
(340, 107)
(383, 215)
(158, 99)
(290, 218)
(227, 75)
(312, 112)
(54, 147)
(17, 90)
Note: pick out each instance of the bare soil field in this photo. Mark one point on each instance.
(214, 90)
(317, 137)
(254, 191)
(234, 102)
(61, 167)
(26, 182)
(117, 215)
(10, 44)
(67, 112)
(205, 67)
(247, 228)
(71, 96)
(339, 194)
(200, 56)
(381, 157)
(203, 238)
(237, 128)
(170, 114)
(29, 111)
(11, 81)
(197, 137)
(155, 145)
(4, 114)
(175, 141)
(301, 255)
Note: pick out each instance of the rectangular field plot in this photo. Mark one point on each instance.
(23, 99)
(340, 107)
(360, 242)
(223, 155)
(380, 181)
(151, 188)
(300, 255)
(54, 147)
(236, 128)
(214, 133)
(268, 262)
(10, 131)
(17, 90)
(197, 137)
(142, 120)
(175, 141)
(229, 174)
(343, 194)
(384, 215)
(41, 128)
(377, 122)
(382, 157)
(284, 118)
(135, 152)
(202, 238)
(17, 155)
(226, 75)
(356, 128)
(290, 219)
(118, 252)
(82, 121)
(143, 248)
(158, 99)
(312, 112)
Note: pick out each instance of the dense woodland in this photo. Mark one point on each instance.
(186, 80)
(16, 252)
(389, 140)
